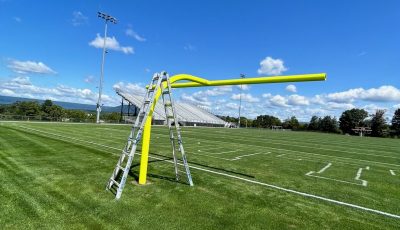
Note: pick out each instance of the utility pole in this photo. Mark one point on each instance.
(240, 98)
(106, 18)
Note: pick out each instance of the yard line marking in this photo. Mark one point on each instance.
(364, 182)
(327, 178)
(358, 175)
(281, 155)
(392, 172)
(250, 181)
(225, 152)
(325, 168)
(240, 157)
(332, 156)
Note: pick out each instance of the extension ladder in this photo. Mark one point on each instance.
(121, 171)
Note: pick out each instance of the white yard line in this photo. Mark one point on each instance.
(240, 157)
(248, 180)
(281, 155)
(358, 175)
(325, 168)
(219, 153)
(392, 172)
(332, 179)
(363, 182)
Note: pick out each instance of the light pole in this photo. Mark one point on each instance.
(240, 98)
(106, 18)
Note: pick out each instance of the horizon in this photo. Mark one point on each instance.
(355, 43)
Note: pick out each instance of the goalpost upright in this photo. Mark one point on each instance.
(193, 81)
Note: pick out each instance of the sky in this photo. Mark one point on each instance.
(52, 50)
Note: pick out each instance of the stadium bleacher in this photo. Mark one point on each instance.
(188, 114)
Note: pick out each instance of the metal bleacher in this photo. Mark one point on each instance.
(188, 114)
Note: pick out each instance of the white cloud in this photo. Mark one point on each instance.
(131, 33)
(278, 100)
(26, 67)
(243, 87)
(384, 93)
(291, 88)
(7, 92)
(198, 101)
(89, 79)
(298, 100)
(216, 91)
(132, 88)
(111, 43)
(22, 87)
(232, 106)
(338, 106)
(271, 66)
(396, 106)
(245, 97)
(78, 19)
(189, 47)
(17, 19)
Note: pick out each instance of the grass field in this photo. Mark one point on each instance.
(53, 175)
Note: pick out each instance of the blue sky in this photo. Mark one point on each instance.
(50, 49)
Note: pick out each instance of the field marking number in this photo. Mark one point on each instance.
(358, 175)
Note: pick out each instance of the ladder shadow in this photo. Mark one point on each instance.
(152, 175)
(206, 166)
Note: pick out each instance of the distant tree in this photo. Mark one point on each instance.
(329, 124)
(396, 122)
(51, 111)
(291, 123)
(314, 123)
(378, 123)
(266, 121)
(352, 118)
(27, 108)
(46, 105)
(76, 115)
(114, 116)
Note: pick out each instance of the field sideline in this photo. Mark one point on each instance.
(54, 174)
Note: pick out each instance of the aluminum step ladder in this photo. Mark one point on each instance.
(120, 173)
(174, 131)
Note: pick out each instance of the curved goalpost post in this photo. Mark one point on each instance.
(193, 81)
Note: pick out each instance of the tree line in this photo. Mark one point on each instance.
(348, 121)
(48, 111)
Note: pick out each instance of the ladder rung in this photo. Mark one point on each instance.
(125, 152)
(120, 167)
(168, 104)
(115, 182)
(147, 102)
(170, 116)
(165, 92)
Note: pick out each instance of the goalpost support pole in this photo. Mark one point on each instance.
(194, 81)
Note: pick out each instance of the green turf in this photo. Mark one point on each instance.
(52, 178)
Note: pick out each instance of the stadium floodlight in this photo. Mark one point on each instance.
(113, 20)
(240, 98)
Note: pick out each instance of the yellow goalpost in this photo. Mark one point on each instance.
(193, 81)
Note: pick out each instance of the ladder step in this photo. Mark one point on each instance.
(147, 102)
(165, 92)
(168, 104)
(120, 167)
(115, 182)
(170, 116)
(125, 152)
